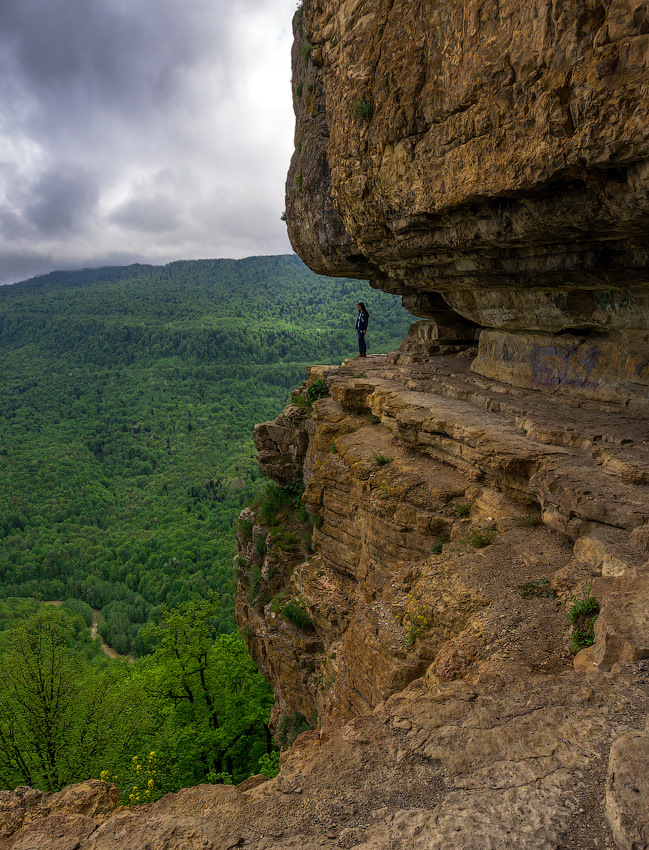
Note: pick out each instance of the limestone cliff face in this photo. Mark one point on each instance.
(489, 157)
(439, 498)
(458, 520)
(432, 652)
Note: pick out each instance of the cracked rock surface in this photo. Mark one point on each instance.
(448, 709)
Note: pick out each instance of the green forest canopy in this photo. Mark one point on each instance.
(128, 399)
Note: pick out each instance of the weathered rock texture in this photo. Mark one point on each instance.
(458, 519)
(448, 711)
(492, 153)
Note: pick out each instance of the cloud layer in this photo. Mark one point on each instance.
(142, 130)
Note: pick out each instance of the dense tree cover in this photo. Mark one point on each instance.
(127, 405)
(194, 710)
(60, 718)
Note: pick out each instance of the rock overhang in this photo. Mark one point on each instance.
(492, 157)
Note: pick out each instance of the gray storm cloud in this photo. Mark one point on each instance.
(146, 130)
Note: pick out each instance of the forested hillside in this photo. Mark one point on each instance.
(127, 405)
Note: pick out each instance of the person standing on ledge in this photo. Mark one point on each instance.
(361, 327)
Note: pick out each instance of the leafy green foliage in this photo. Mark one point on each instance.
(297, 18)
(269, 764)
(382, 459)
(317, 390)
(297, 613)
(209, 702)
(194, 710)
(582, 616)
(305, 51)
(480, 538)
(364, 107)
(60, 718)
(276, 503)
(129, 398)
(438, 545)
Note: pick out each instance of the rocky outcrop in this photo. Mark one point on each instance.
(454, 520)
(487, 159)
(459, 519)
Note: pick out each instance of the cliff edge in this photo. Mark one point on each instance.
(460, 528)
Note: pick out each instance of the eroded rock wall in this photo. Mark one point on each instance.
(491, 154)
(439, 497)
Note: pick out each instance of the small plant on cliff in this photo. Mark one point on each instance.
(297, 21)
(290, 726)
(298, 181)
(462, 511)
(277, 503)
(300, 401)
(479, 539)
(318, 389)
(372, 419)
(245, 529)
(582, 615)
(296, 612)
(438, 546)
(364, 107)
(284, 539)
(382, 459)
(255, 582)
(529, 521)
(305, 52)
(280, 599)
(541, 587)
(413, 622)
(298, 89)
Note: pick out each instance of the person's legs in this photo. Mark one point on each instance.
(362, 348)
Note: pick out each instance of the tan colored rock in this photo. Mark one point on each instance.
(422, 557)
(60, 821)
(622, 628)
(627, 791)
(609, 552)
(488, 133)
(487, 157)
(612, 369)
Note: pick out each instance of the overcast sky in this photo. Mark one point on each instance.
(142, 131)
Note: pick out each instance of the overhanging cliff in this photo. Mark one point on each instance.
(490, 158)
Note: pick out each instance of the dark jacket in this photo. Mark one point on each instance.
(362, 320)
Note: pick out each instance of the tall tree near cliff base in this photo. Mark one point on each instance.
(60, 719)
(212, 702)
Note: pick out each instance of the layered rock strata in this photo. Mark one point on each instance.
(449, 712)
(490, 159)
(458, 521)
(490, 734)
